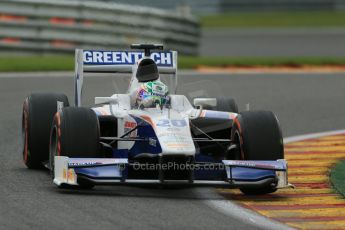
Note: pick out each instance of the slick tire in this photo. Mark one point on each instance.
(225, 104)
(258, 137)
(75, 133)
(37, 117)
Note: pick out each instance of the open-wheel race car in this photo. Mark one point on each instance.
(149, 134)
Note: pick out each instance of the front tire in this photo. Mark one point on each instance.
(37, 116)
(258, 137)
(75, 133)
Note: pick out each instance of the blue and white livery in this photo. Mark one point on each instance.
(175, 142)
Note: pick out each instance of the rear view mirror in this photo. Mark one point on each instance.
(201, 102)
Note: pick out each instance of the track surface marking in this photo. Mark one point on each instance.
(313, 204)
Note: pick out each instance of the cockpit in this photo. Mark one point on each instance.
(151, 91)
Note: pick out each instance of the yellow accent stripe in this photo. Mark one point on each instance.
(313, 204)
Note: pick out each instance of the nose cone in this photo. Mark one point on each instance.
(174, 134)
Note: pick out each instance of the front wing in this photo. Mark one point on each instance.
(68, 171)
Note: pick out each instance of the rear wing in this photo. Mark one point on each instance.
(97, 61)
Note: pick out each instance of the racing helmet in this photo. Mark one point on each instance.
(152, 93)
(147, 70)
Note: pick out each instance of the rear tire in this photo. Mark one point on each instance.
(224, 104)
(37, 116)
(75, 133)
(258, 136)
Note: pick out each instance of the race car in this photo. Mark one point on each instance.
(150, 134)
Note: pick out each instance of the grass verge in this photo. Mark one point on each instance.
(66, 63)
(36, 63)
(338, 177)
(193, 62)
(276, 19)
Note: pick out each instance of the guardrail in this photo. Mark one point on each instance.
(45, 26)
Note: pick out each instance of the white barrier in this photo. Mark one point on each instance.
(62, 26)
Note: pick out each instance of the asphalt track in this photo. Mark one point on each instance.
(304, 103)
(274, 42)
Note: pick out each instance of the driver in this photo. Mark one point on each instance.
(152, 94)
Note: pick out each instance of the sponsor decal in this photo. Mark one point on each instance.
(171, 123)
(176, 141)
(273, 165)
(241, 163)
(129, 125)
(95, 161)
(70, 175)
(164, 59)
(84, 163)
(64, 174)
(176, 130)
(152, 142)
(173, 135)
